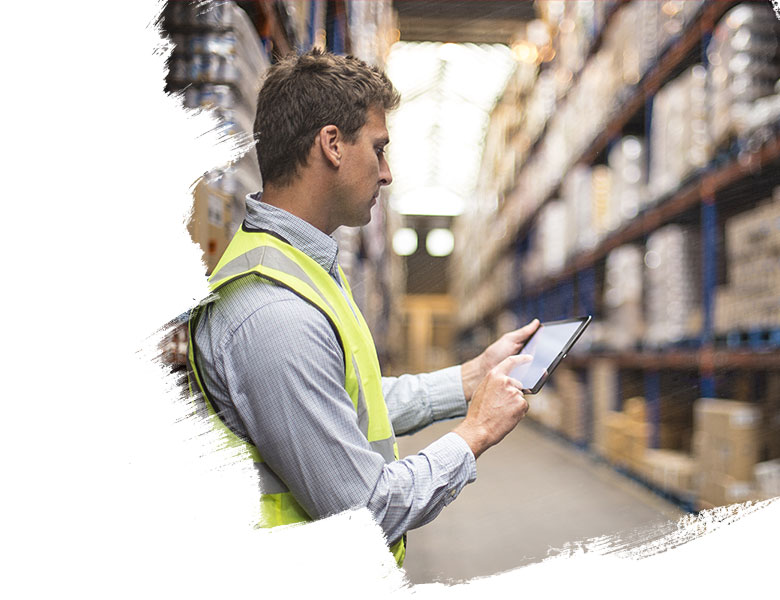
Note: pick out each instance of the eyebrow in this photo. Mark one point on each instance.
(383, 141)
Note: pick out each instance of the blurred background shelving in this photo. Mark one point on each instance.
(640, 192)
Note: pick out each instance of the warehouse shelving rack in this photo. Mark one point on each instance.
(702, 199)
(680, 53)
(273, 22)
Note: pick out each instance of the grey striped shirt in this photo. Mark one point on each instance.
(272, 365)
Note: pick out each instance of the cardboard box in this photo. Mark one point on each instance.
(603, 382)
(671, 470)
(572, 397)
(727, 418)
(767, 475)
(726, 457)
(635, 409)
(725, 490)
(210, 223)
(637, 437)
(615, 440)
(727, 437)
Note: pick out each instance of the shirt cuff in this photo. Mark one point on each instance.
(454, 456)
(445, 393)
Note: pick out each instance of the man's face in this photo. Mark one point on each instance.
(363, 171)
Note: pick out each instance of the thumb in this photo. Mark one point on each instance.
(522, 334)
(507, 365)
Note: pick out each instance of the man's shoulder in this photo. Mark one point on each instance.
(257, 310)
(244, 300)
(246, 295)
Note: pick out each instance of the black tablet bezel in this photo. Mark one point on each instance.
(584, 322)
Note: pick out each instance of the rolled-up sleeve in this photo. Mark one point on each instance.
(415, 401)
(284, 372)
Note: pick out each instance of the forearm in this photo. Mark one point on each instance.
(412, 491)
(415, 401)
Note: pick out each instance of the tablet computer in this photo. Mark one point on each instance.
(548, 345)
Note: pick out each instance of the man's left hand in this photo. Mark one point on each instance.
(474, 370)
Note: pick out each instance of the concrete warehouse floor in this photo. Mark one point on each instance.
(533, 494)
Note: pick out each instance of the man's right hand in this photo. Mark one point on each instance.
(496, 407)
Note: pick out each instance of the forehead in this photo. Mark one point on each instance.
(376, 124)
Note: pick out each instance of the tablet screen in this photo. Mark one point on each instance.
(548, 347)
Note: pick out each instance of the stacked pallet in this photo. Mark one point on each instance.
(726, 449)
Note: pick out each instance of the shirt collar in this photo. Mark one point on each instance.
(301, 235)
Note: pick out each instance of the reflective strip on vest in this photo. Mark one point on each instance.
(270, 257)
(385, 447)
(362, 409)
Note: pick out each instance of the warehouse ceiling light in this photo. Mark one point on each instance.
(524, 51)
(405, 241)
(437, 134)
(439, 242)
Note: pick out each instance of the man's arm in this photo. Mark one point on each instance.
(284, 372)
(416, 401)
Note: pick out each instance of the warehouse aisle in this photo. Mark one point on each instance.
(533, 494)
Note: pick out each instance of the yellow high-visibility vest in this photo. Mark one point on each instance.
(277, 262)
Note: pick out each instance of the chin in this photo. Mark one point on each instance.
(365, 219)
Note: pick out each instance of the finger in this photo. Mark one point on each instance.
(530, 329)
(510, 362)
(522, 334)
(526, 406)
(516, 383)
(521, 399)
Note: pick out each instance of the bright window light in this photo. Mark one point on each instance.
(437, 134)
(405, 241)
(439, 242)
(428, 201)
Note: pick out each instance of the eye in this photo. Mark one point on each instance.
(380, 151)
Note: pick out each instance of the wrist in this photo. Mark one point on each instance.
(474, 437)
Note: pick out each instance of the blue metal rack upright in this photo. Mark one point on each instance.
(653, 404)
(335, 28)
(709, 259)
(586, 291)
(315, 11)
(567, 298)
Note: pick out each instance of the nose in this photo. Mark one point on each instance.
(385, 177)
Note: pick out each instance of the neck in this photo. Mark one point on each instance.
(301, 199)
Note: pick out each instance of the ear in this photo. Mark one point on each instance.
(330, 142)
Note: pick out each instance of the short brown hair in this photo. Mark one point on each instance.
(303, 94)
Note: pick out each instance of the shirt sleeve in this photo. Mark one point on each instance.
(284, 372)
(415, 401)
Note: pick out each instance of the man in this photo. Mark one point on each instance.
(283, 356)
